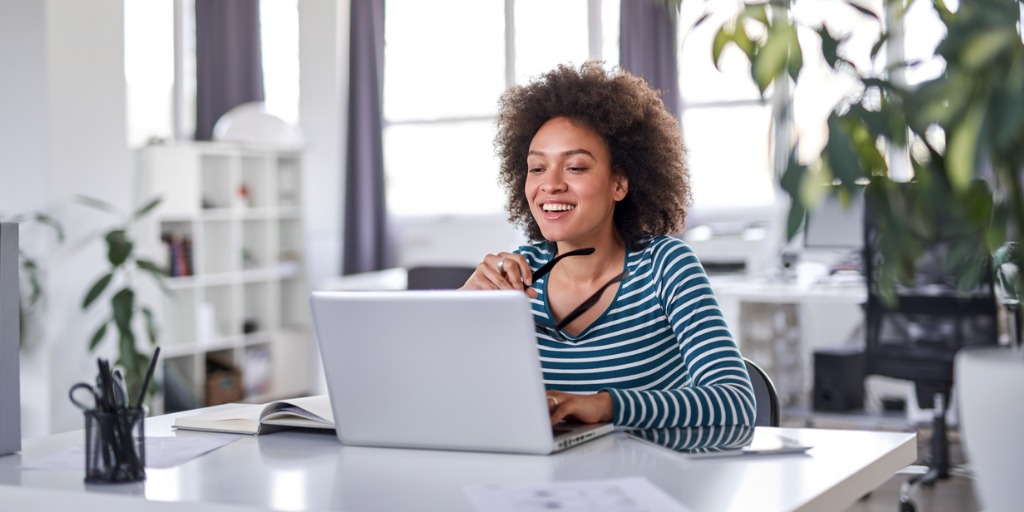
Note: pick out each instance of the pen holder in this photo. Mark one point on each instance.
(115, 446)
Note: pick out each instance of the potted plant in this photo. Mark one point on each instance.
(965, 131)
(125, 266)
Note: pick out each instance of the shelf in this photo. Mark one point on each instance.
(229, 229)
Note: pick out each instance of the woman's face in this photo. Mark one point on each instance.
(570, 185)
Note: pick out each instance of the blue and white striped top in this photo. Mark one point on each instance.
(661, 349)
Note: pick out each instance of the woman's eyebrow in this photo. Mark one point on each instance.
(569, 152)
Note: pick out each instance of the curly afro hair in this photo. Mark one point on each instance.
(642, 135)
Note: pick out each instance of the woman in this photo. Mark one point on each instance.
(628, 328)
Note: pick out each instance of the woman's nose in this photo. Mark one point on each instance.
(552, 182)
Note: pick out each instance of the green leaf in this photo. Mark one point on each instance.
(961, 153)
(792, 181)
(982, 49)
(150, 267)
(128, 357)
(36, 289)
(996, 234)
(124, 307)
(771, 59)
(158, 274)
(45, 219)
(743, 41)
(96, 289)
(796, 57)
(151, 328)
(119, 248)
(877, 47)
(97, 337)
(793, 176)
(722, 38)
(829, 47)
(99, 205)
(27, 262)
(840, 148)
(756, 12)
(142, 211)
(977, 204)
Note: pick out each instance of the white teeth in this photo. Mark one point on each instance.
(555, 207)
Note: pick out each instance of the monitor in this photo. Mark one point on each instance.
(10, 341)
(831, 226)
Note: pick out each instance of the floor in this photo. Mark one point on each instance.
(953, 495)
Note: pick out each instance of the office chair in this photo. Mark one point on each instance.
(765, 397)
(438, 277)
(917, 338)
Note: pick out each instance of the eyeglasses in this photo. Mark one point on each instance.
(556, 330)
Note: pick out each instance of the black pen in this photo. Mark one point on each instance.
(149, 375)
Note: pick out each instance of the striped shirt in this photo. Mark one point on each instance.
(661, 349)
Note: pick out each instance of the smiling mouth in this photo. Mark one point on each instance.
(558, 207)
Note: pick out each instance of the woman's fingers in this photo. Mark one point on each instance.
(502, 271)
(584, 408)
(516, 270)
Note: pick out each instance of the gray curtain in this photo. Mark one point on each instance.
(229, 69)
(647, 46)
(366, 239)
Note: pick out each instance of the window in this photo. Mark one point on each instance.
(442, 81)
(149, 69)
(726, 125)
(150, 62)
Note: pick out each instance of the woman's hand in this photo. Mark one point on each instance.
(596, 408)
(502, 271)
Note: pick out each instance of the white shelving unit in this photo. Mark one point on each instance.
(229, 233)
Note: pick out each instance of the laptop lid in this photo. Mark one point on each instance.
(436, 369)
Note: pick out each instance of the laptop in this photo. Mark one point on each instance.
(440, 369)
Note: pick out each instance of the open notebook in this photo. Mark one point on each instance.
(451, 370)
(306, 412)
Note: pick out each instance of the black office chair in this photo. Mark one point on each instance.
(438, 277)
(765, 396)
(917, 338)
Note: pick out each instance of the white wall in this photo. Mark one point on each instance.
(22, 163)
(63, 81)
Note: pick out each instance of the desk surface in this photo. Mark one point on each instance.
(311, 471)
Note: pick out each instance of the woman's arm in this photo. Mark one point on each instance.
(717, 390)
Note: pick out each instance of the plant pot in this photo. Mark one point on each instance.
(988, 383)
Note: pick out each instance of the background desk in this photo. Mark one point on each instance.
(312, 471)
(779, 324)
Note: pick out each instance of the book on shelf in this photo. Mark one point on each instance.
(305, 412)
(178, 249)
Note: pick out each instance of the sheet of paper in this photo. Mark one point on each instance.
(161, 452)
(633, 494)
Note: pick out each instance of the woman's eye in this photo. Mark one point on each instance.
(534, 170)
(577, 169)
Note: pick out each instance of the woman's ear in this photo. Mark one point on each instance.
(621, 186)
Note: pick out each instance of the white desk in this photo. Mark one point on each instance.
(312, 471)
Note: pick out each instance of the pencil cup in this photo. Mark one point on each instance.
(115, 446)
